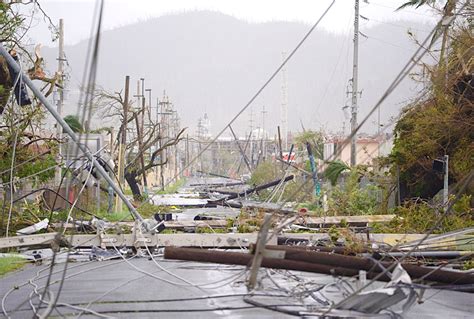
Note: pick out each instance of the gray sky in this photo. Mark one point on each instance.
(78, 13)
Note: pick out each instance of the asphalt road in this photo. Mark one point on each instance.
(140, 288)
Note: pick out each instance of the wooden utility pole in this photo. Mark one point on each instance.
(60, 103)
(141, 132)
(355, 67)
(123, 144)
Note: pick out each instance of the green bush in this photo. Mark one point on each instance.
(420, 216)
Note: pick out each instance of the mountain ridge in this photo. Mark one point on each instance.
(211, 62)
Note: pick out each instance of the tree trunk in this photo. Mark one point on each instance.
(131, 178)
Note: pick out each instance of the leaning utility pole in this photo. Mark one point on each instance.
(60, 103)
(354, 84)
(123, 145)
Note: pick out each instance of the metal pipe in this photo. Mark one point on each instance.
(69, 131)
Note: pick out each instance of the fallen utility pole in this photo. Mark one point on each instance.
(324, 263)
(358, 263)
(230, 258)
(442, 254)
(69, 131)
(265, 186)
(259, 251)
(217, 185)
(255, 189)
(293, 165)
(214, 174)
(130, 240)
(335, 250)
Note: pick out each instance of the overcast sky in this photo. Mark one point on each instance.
(78, 14)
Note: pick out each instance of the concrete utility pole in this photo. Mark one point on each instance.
(60, 103)
(165, 110)
(252, 137)
(123, 144)
(354, 84)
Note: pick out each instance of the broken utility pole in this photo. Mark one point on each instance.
(259, 251)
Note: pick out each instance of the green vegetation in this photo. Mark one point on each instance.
(127, 191)
(295, 190)
(334, 170)
(439, 124)
(147, 210)
(8, 264)
(74, 123)
(420, 216)
(314, 138)
(173, 188)
(468, 265)
(168, 231)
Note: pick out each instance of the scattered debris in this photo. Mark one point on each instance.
(33, 228)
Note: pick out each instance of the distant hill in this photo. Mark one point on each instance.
(211, 62)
